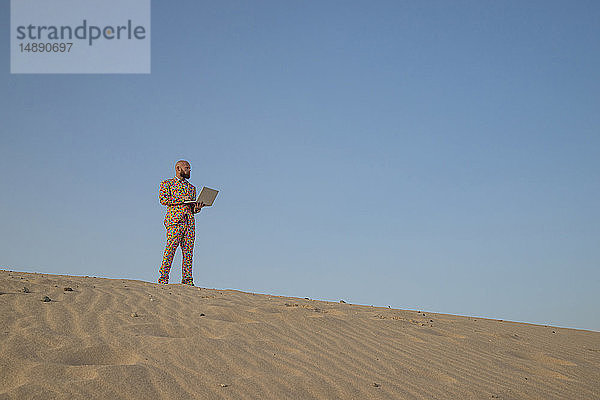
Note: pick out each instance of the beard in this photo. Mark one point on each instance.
(186, 175)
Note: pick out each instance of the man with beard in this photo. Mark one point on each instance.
(179, 221)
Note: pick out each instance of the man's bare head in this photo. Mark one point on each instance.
(182, 169)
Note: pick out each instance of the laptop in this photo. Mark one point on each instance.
(206, 196)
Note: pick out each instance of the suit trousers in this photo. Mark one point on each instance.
(180, 234)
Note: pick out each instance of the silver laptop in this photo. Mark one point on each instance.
(206, 196)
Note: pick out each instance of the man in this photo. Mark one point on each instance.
(179, 221)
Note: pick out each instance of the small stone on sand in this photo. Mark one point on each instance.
(26, 290)
(342, 301)
(46, 299)
(134, 314)
(224, 385)
(375, 384)
(68, 289)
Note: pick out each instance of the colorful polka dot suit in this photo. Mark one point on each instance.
(180, 225)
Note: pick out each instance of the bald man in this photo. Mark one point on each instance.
(179, 221)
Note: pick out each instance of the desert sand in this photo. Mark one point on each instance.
(100, 338)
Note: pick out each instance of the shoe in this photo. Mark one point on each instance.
(188, 283)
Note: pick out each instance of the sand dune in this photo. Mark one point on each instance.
(125, 339)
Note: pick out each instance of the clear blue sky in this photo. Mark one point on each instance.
(440, 156)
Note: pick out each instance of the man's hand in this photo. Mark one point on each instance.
(185, 199)
(198, 206)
